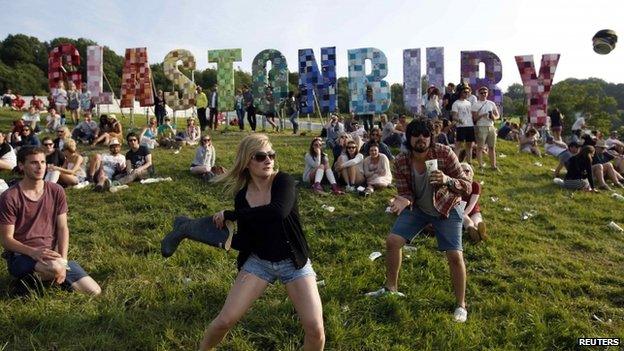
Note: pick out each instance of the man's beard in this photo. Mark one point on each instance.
(419, 148)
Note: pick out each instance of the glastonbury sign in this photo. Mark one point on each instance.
(317, 86)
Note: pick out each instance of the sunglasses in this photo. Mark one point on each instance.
(262, 156)
(350, 147)
(48, 144)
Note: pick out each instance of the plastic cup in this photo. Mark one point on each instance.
(432, 165)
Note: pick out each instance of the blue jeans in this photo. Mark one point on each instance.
(448, 231)
(270, 271)
(240, 115)
(294, 119)
(20, 266)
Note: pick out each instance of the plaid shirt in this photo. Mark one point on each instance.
(444, 198)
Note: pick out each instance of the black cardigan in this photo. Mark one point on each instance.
(579, 168)
(280, 217)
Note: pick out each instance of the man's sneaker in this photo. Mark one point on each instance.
(460, 315)
(98, 188)
(482, 231)
(384, 292)
(107, 184)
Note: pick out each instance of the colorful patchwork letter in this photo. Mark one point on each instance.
(187, 86)
(225, 74)
(470, 61)
(537, 88)
(277, 77)
(359, 82)
(412, 89)
(136, 79)
(435, 68)
(64, 65)
(95, 74)
(314, 82)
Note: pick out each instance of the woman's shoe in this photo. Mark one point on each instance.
(482, 231)
(318, 188)
(336, 190)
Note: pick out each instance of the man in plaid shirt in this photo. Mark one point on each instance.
(427, 195)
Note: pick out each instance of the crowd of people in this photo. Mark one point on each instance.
(428, 160)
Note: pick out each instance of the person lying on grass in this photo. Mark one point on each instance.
(104, 168)
(317, 168)
(473, 221)
(427, 198)
(34, 230)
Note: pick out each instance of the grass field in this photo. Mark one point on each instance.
(538, 284)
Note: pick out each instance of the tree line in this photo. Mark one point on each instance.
(24, 67)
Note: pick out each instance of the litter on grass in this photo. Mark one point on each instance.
(494, 198)
(114, 189)
(374, 255)
(614, 226)
(506, 209)
(617, 196)
(320, 283)
(528, 214)
(538, 164)
(155, 180)
(328, 208)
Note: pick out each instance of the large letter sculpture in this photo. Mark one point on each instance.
(359, 81)
(187, 86)
(277, 76)
(317, 84)
(435, 68)
(225, 74)
(412, 89)
(64, 64)
(537, 88)
(95, 74)
(136, 79)
(470, 61)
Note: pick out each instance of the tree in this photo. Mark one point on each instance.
(342, 90)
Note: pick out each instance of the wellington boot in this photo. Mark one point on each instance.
(201, 229)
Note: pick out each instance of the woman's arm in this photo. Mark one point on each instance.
(471, 203)
(367, 172)
(354, 161)
(312, 162)
(213, 156)
(72, 171)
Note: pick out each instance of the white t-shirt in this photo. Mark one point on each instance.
(554, 149)
(27, 117)
(578, 124)
(472, 99)
(110, 163)
(483, 107)
(463, 110)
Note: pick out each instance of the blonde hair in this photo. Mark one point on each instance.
(237, 178)
(70, 145)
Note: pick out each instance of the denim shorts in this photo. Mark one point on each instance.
(448, 231)
(22, 265)
(284, 270)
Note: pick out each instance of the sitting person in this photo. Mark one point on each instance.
(317, 168)
(375, 136)
(18, 103)
(149, 134)
(16, 132)
(192, 134)
(109, 128)
(167, 135)
(389, 134)
(27, 138)
(376, 169)
(138, 161)
(53, 120)
(554, 147)
(54, 157)
(350, 166)
(104, 168)
(37, 103)
(34, 230)
(579, 176)
(439, 136)
(340, 147)
(62, 137)
(528, 142)
(613, 139)
(617, 150)
(8, 159)
(72, 171)
(602, 167)
(86, 130)
(205, 157)
(564, 157)
(509, 131)
(31, 118)
(472, 219)
(334, 128)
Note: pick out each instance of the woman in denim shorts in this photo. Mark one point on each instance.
(270, 241)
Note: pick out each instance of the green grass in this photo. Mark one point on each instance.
(535, 285)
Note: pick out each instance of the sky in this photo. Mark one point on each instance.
(506, 28)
